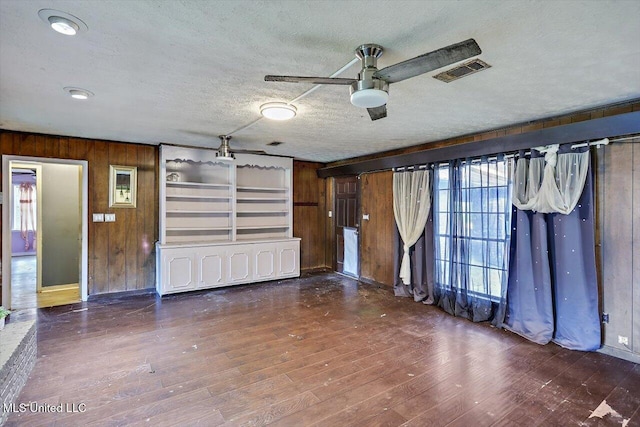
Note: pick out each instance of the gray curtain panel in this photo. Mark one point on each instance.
(552, 287)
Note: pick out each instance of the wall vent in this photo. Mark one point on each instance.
(462, 70)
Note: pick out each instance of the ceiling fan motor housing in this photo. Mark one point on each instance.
(368, 91)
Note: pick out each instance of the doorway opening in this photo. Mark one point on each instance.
(44, 244)
(347, 225)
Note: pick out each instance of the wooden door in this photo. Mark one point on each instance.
(346, 194)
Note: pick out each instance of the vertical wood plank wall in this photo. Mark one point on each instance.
(618, 178)
(309, 214)
(121, 254)
(376, 234)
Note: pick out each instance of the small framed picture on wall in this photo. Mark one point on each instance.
(123, 184)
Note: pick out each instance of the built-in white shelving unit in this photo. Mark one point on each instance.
(224, 222)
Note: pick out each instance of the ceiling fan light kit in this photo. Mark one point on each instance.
(371, 89)
(278, 111)
(369, 97)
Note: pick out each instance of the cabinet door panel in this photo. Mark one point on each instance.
(265, 261)
(179, 273)
(211, 269)
(289, 259)
(240, 263)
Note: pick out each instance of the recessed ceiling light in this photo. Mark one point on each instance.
(63, 25)
(78, 93)
(62, 22)
(278, 110)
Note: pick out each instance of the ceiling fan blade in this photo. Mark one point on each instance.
(378, 112)
(314, 80)
(429, 61)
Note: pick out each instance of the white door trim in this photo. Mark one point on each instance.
(6, 220)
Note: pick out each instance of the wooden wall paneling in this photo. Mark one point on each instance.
(50, 146)
(151, 208)
(329, 235)
(117, 230)
(308, 215)
(26, 145)
(635, 215)
(376, 234)
(63, 148)
(131, 223)
(598, 168)
(100, 189)
(617, 243)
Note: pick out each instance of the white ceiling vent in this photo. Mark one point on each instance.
(462, 70)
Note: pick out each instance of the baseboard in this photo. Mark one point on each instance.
(315, 270)
(374, 283)
(121, 294)
(620, 354)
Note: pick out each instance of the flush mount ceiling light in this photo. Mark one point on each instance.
(62, 22)
(278, 111)
(78, 93)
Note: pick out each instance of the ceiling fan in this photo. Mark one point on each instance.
(371, 89)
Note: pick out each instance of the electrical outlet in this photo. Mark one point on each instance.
(623, 340)
(110, 217)
(98, 217)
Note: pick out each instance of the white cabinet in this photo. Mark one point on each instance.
(224, 222)
(203, 266)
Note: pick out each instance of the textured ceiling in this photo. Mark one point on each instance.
(183, 72)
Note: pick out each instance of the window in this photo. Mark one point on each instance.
(472, 215)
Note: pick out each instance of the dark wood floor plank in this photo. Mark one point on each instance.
(319, 350)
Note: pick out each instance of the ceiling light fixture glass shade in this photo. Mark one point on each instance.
(278, 111)
(78, 93)
(369, 98)
(63, 25)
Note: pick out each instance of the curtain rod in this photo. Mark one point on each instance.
(599, 143)
(403, 168)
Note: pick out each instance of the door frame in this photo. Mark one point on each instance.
(7, 191)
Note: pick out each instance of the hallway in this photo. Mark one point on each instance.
(23, 287)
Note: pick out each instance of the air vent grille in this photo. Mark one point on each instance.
(462, 70)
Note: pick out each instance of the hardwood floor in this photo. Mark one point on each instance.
(320, 350)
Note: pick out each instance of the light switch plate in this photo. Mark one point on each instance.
(98, 217)
(110, 217)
